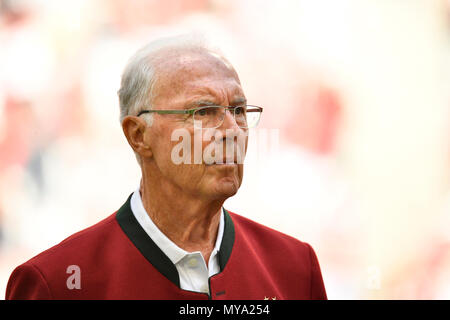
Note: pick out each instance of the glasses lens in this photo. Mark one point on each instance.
(207, 117)
(212, 117)
(251, 116)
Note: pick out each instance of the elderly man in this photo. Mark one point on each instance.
(172, 239)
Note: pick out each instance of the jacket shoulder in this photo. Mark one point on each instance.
(80, 242)
(33, 279)
(27, 283)
(281, 253)
(266, 236)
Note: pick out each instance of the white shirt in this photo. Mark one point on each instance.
(191, 266)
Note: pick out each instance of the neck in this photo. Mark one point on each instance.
(191, 223)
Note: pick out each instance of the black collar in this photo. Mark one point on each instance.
(154, 254)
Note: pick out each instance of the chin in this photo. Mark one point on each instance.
(223, 181)
(225, 188)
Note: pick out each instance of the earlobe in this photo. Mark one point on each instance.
(134, 129)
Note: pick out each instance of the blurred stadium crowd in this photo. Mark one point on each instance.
(351, 154)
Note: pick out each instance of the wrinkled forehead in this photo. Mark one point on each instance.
(178, 72)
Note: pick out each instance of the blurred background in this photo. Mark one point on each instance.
(351, 155)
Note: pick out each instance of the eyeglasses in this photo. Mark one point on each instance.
(213, 116)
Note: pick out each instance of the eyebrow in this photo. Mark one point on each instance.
(240, 100)
(201, 102)
(205, 102)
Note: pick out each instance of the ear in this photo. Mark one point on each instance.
(134, 129)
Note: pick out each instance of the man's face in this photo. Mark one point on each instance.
(187, 82)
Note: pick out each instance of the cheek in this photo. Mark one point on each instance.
(179, 158)
(162, 147)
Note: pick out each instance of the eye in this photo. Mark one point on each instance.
(239, 110)
(207, 112)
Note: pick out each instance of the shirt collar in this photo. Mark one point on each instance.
(173, 252)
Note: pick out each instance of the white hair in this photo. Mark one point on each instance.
(139, 76)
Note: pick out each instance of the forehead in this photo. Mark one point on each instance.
(184, 75)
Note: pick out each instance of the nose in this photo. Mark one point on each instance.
(229, 122)
(234, 137)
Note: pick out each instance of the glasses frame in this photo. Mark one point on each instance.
(192, 111)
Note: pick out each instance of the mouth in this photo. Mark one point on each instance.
(223, 164)
(229, 162)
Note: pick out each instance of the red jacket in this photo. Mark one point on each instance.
(115, 259)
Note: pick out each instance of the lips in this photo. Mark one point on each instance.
(230, 161)
(224, 163)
